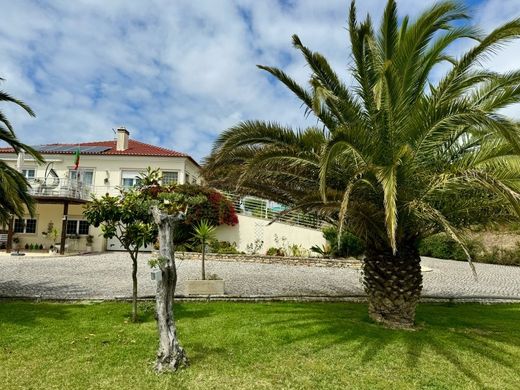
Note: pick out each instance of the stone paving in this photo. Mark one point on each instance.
(108, 276)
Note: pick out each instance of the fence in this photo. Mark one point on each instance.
(266, 209)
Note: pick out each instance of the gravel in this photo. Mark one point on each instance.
(108, 276)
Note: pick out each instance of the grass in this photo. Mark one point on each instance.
(265, 346)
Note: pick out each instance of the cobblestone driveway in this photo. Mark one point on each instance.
(108, 276)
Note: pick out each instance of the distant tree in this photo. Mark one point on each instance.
(14, 188)
(127, 218)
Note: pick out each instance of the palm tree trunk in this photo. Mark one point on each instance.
(393, 284)
(170, 354)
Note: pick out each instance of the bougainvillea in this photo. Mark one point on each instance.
(217, 209)
(214, 207)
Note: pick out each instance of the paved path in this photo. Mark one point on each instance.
(108, 276)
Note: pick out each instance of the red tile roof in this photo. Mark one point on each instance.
(135, 148)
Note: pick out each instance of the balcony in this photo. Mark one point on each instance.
(54, 187)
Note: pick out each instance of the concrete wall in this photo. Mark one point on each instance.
(250, 229)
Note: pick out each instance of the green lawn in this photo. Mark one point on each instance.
(268, 345)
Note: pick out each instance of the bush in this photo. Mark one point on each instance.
(349, 244)
(223, 247)
(273, 251)
(501, 256)
(443, 247)
(216, 209)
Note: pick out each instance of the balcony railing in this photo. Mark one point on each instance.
(265, 209)
(59, 187)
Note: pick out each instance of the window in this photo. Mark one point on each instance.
(77, 227)
(83, 227)
(187, 178)
(129, 178)
(86, 176)
(170, 178)
(25, 225)
(29, 173)
(193, 180)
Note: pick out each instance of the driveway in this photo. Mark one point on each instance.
(108, 276)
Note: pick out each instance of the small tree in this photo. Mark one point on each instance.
(169, 211)
(127, 218)
(204, 232)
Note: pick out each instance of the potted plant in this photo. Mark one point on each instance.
(203, 233)
(90, 240)
(52, 235)
(16, 242)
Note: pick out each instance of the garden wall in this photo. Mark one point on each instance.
(251, 229)
(300, 261)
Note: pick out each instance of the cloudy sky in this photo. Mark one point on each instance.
(176, 73)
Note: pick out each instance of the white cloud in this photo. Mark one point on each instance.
(175, 73)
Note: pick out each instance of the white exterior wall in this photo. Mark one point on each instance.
(250, 229)
(108, 167)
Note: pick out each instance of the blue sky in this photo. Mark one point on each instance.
(177, 73)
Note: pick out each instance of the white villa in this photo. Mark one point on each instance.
(61, 191)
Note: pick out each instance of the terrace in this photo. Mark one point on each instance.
(59, 188)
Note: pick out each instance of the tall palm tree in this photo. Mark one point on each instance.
(13, 185)
(398, 156)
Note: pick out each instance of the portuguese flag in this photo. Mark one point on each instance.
(76, 159)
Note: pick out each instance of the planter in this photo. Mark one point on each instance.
(205, 287)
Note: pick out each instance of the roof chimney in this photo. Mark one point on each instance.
(122, 138)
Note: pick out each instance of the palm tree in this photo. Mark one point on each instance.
(204, 232)
(13, 185)
(398, 156)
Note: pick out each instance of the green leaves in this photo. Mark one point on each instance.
(394, 139)
(203, 231)
(126, 217)
(14, 187)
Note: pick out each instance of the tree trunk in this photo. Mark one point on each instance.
(203, 260)
(393, 284)
(170, 355)
(134, 289)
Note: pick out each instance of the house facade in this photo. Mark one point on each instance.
(72, 174)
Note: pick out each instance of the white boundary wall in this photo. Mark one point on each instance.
(250, 229)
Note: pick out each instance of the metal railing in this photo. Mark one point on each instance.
(269, 210)
(59, 187)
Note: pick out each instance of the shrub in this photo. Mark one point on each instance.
(349, 244)
(325, 250)
(273, 251)
(26, 246)
(216, 209)
(501, 256)
(223, 247)
(443, 247)
(296, 250)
